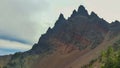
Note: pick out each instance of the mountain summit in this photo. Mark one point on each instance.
(71, 43)
(82, 11)
(61, 17)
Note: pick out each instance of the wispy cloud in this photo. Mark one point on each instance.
(8, 47)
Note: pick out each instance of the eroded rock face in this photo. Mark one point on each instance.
(81, 30)
(114, 29)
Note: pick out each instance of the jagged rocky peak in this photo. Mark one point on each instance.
(82, 11)
(74, 13)
(115, 28)
(61, 17)
(49, 30)
(70, 31)
(115, 23)
(93, 15)
(61, 20)
(90, 32)
(59, 23)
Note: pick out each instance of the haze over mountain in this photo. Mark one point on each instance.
(71, 43)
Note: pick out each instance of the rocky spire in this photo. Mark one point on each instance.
(61, 20)
(82, 11)
(116, 22)
(93, 15)
(61, 17)
(74, 13)
(49, 30)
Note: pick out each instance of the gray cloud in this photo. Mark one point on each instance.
(28, 6)
(15, 18)
(12, 46)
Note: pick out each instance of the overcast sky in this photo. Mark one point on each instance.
(23, 21)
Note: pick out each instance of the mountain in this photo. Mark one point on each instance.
(71, 43)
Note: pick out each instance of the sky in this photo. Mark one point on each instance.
(23, 21)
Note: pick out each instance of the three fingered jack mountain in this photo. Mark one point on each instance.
(71, 43)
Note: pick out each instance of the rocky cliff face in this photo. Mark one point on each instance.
(81, 32)
(114, 29)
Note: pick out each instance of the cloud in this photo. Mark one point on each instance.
(28, 6)
(10, 47)
(18, 29)
(15, 18)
